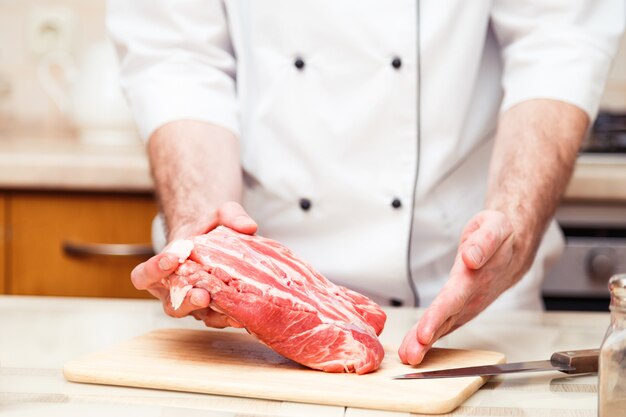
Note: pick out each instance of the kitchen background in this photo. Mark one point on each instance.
(76, 197)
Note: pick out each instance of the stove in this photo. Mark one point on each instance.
(608, 134)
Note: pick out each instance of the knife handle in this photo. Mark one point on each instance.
(583, 361)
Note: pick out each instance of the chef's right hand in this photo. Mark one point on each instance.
(150, 274)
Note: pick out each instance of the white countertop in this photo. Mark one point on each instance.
(39, 334)
(69, 164)
(598, 177)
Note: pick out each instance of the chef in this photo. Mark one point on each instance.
(414, 151)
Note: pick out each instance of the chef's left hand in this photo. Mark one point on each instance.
(487, 263)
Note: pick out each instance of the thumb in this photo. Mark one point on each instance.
(232, 215)
(483, 242)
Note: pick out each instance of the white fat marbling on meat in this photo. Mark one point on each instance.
(343, 355)
(177, 295)
(339, 308)
(181, 248)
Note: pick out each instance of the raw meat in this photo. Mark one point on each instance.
(281, 300)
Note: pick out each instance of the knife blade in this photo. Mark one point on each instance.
(569, 362)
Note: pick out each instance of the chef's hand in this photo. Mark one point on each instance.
(487, 263)
(149, 275)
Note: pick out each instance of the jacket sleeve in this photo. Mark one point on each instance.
(176, 61)
(557, 49)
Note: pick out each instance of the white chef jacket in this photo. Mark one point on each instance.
(366, 126)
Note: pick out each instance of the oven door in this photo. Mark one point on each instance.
(595, 250)
(579, 280)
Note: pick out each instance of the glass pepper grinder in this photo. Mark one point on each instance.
(612, 361)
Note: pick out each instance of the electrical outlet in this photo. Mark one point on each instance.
(50, 30)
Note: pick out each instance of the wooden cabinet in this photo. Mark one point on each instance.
(55, 239)
(3, 246)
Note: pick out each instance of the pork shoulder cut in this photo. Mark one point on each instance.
(281, 300)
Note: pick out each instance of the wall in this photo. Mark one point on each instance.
(615, 92)
(25, 104)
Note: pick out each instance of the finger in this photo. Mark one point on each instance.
(457, 324)
(447, 305)
(195, 299)
(151, 272)
(446, 327)
(160, 293)
(231, 214)
(471, 227)
(415, 353)
(485, 241)
(214, 319)
(410, 349)
(234, 323)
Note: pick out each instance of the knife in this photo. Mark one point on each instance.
(570, 362)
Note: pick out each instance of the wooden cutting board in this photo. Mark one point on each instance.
(236, 364)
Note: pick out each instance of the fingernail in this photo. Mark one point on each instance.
(165, 263)
(195, 300)
(475, 254)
